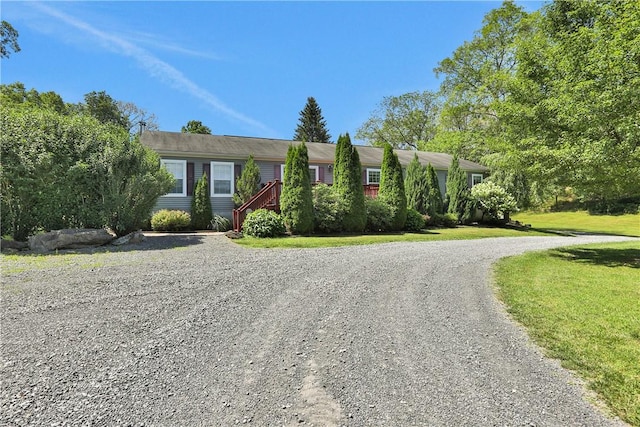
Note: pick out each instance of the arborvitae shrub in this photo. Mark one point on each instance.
(433, 202)
(347, 181)
(263, 223)
(201, 212)
(248, 182)
(415, 220)
(170, 220)
(296, 202)
(378, 215)
(415, 185)
(458, 198)
(391, 189)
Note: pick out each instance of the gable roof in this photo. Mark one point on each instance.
(187, 145)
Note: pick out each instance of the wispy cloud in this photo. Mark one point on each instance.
(167, 45)
(156, 67)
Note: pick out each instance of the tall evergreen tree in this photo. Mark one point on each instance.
(433, 201)
(201, 212)
(312, 127)
(296, 200)
(347, 182)
(415, 185)
(248, 183)
(391, 189)
(457, 196)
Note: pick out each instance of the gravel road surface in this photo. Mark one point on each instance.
(198, 331)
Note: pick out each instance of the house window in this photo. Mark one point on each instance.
(314, 174)
(177, 168)
(476, 178)
(221, 179)
(373, 176)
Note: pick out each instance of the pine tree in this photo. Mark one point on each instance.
(347, 182)
(201, 212)
(433, 202)
(248, 183)
(391, 189)
(457, 196)
(415, 185)
(311, 125)
(296, 200)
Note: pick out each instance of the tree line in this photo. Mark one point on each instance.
(548, 100)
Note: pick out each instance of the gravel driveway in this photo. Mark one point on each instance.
(198, 331)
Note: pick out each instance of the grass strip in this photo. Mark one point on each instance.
(459, 233)
(624, 225)
(582, 304)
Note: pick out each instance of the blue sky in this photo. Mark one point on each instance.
(242, 68)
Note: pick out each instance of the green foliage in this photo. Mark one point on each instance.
(263, 223)
(220, 223)
(66, 171)
(329, 209)
(433, 204)
(457, 198)
(347, 181)
(248, 183)
(296, 202)
(195, 126)
(378, 215)
(105, 109)
(170, 220)
(391, 189)
(415, 220)
(493, 200)
(312, 127)
(201, 211)
(415, 185)
(8, 39)
(405, 121)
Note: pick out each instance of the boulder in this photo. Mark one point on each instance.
(69, 239)
(13, 246)
(131, 238)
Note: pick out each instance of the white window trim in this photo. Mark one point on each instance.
(184, 176)
(372, 170)
(473, 175)
(211, 179)
(315, 167)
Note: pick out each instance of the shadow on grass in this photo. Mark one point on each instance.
(604, 256)
(152, 242)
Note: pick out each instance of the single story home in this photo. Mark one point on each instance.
(188, 156)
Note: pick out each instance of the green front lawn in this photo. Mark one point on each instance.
(459, 233)
(582, 304)
(626, 225)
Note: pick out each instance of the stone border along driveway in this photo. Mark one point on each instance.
(196, 330)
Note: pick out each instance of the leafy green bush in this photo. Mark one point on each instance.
(328, 209)
(415, 220)
(220, 223)
(170, 220)
(201, 212)
(493, 200)
(263, 223)
(378, 215)
(449, 220)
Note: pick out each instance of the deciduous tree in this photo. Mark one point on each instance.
(195, 126)
(405, 121)
(8, 39)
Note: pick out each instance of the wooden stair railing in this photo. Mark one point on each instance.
(267, 198)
